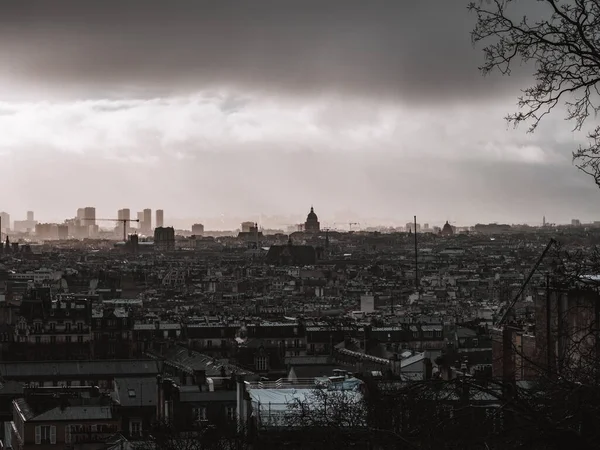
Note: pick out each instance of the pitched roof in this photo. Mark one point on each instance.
(136, 391)
(45, 369)
(71, 413)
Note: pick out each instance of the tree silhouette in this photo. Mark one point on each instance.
(563, 46)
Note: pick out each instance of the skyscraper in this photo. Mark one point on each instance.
(141, 225)
(30, 216)
(90, 215)
(5, 221)
(124, 215)
(147, 228)
(160, 216)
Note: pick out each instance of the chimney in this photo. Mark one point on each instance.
(428, 368)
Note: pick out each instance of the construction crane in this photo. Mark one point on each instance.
(352, 223)
(124, 221)
(511, 305)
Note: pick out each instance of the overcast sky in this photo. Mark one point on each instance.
(372, 110)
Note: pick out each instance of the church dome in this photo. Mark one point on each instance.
(312, 217)
(447, 230)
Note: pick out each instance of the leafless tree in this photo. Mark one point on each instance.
(223, 435)
(564, 47)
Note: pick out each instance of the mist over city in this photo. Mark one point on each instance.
(377, 108)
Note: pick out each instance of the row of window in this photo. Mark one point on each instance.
(53, 339)
(200, 413)
(38, 327)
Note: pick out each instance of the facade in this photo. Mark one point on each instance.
(53, 419)
(147, 217)
(198, 229)
(312, 224)
(112, 331)
(124, 216)
(48, 329)
(164, 238)
(5, 217)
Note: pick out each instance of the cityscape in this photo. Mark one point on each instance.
(310, 226)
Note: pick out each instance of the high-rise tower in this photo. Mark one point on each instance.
(160, 216)
(147, 225)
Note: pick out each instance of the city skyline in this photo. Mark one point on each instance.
(348, 105)
(340, 220)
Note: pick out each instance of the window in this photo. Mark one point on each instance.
(80, 339)
(296, 343)
(199, 413)
(261, 363)
(53, 339)
(68, 434)
(475, 342)
(68, 327)
(52, 326)
(37, 327)
(45, 434)
(209, 343)
(68, 339)
(80, 327)
(38, 340)
(230, 411)
(135, 428)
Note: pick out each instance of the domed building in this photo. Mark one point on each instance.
(447, 230)
(312, 224)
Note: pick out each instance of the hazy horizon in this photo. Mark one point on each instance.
(225, 108)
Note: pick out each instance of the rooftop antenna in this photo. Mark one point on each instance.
(416, 259)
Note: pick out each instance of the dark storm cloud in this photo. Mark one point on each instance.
(415, 50)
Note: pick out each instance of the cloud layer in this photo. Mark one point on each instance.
(412, 51)
(369, 110)
(220, 152)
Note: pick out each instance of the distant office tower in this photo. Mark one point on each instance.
(5, 217)
(90, 215)
(198, 229)
(124, 216)
(81, 215)
(30, 216)
(140, 218)
(147, 220)
(575, 223)
(426, 226)
(246, 226)
(126, 213)
(160, 217)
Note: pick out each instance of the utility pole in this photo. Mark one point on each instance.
(416, 259)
